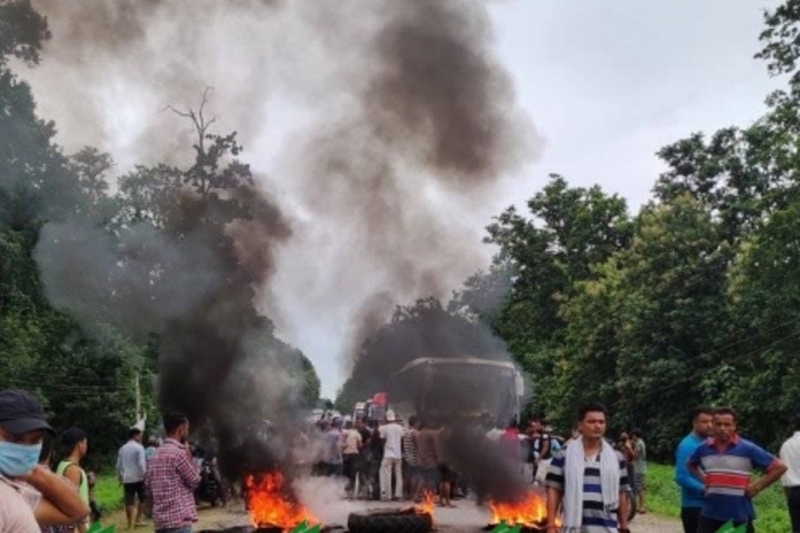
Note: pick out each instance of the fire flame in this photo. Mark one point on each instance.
(270, 504)
(531, 511)
(427, 505)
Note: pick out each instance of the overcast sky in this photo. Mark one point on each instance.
(606, 82)
(609, 82)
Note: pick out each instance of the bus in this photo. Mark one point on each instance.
(466, 387)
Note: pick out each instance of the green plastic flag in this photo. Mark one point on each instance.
(97, 527)
(728, 527)
(503, 527)
(303, 527)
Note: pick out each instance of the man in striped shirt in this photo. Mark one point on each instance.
(604, 469)
(411, 474)
(725, 463)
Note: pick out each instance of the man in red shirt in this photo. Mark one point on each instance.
(511, 447)
(725, 465)
(172, 476)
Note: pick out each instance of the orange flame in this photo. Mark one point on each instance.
(270, 504)
(531, 511)
(427, 505)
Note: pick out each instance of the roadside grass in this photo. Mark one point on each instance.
(663, 498)
(108, 493)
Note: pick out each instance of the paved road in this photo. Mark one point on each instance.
(465, 517)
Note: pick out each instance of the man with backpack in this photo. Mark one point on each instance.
(543, 445)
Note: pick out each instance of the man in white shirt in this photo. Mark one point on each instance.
(495, 433)
(790, 455)
(131, 469)
(391, 434)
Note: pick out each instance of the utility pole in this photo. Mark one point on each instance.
(138, 398)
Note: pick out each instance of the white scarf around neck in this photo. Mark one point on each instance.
(574, 464)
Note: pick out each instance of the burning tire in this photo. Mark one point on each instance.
(390, 522)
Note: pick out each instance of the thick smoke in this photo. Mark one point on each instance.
(408, 126)
(120, 63)
(192, 278)
(433, 127)
(401, 166)
(456, 397)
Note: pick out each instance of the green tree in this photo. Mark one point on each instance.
(539, 260)
(642, 335)
(764, 369)
(733, 176)
(23, 32)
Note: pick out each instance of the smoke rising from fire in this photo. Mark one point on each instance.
(398, 170)
(190, 276)
(409, 127)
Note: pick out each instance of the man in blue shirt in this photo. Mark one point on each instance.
(692, 489)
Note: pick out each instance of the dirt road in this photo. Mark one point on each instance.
(465, 517)
(324, 498)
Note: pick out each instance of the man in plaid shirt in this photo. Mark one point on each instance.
(172, 476)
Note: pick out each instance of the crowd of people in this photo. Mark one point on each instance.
(591, 483)
(590, 479)
(396, 459)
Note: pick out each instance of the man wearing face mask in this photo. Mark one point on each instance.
(171, 478)
(30, 495)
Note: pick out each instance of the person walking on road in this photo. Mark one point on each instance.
(692, 489)
(131, 469)
(790, 455)
(725, 464)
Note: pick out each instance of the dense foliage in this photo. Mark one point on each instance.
(692, 300)
(86, 374)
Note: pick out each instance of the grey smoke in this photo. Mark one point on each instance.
(139, 282)
(430, 130)
(410, 126)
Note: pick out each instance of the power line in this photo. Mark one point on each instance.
(679, 382)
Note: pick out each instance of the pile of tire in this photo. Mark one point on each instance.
(390, 521)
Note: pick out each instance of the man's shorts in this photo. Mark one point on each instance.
(639, 481)
(134, 490)
(432, 477)
(446, 475)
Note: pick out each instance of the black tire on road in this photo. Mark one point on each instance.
(389, 523)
